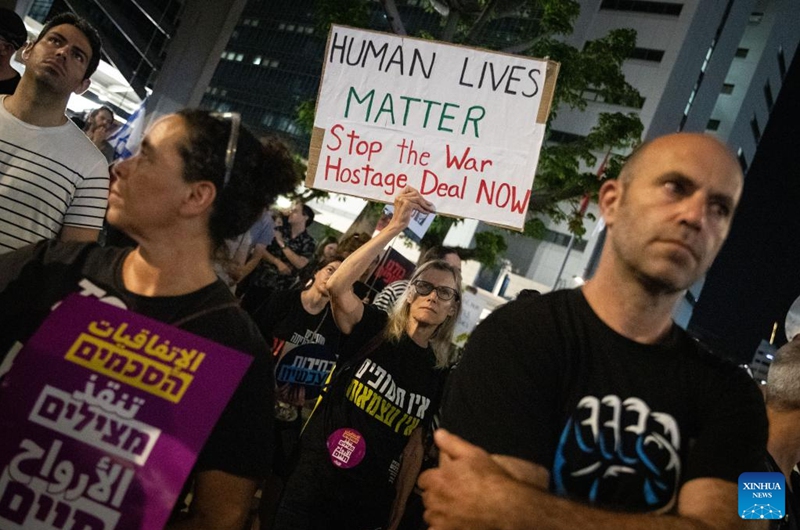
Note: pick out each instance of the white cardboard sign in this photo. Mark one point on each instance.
(463, 126)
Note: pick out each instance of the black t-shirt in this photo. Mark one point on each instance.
(267, 275)
(304, 345)
(617, 423)
(34, 278)
(790, 519)
(383, 396)
(8, 86)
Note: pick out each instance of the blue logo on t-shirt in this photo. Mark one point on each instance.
(619, 453)
(307, 366)
(762, 496)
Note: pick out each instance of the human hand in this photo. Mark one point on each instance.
(405, 203)
(468, 489)
(283, 268)
(98, 134)
(279, 239)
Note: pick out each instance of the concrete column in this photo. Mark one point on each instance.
(193, 54)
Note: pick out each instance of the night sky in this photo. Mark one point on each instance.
(756, 277)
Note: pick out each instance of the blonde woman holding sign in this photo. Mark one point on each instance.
(362, 448)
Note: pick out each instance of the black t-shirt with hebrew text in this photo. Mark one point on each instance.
(381, 389)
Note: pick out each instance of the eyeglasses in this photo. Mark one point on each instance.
(424, 288)
(233, 140)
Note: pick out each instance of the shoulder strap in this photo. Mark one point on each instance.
(340, 372)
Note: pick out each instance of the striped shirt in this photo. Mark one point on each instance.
(386, 299)
(49, 177)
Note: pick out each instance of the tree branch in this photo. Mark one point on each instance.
(483, 18)
(393, 16)
(521, 46)
(451, 26)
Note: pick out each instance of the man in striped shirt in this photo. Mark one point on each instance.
(53, 180)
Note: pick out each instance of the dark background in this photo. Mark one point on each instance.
(756, 277)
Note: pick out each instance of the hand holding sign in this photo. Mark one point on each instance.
(405, 203)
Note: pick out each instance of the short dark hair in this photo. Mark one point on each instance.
(308, 213)
(260, 172)
(307, 274)
(12, 28)
(435, 252)
(86, 28)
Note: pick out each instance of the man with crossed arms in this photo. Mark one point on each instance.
(590, 408)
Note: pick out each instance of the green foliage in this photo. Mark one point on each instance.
(561, 183)
(558, 16)
(355, 13)
(305, 115)
(488, 246)
(436, 233)
(535, 228)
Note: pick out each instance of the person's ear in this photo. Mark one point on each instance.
(608, 199)
(200, 197)
(83, 87)
(26, 52)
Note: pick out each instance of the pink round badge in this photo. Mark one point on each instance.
(346, 448)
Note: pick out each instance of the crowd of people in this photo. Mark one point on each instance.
(584, 408)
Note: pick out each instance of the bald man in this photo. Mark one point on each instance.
(590, 408)
(782, 394)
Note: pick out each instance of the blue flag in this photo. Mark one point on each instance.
(126, 140)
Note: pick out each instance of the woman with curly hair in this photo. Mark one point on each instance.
(197, 179)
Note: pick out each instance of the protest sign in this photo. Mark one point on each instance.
(393, 266)
(417, 226)
(463, 126)
(472, 311)
(103, 415)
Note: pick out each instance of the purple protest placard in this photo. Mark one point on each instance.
(103, 415)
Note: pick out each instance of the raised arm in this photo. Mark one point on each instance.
(347, 307)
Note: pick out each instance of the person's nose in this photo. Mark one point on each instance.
(695, 209)
(62, 51)
(120, 168)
